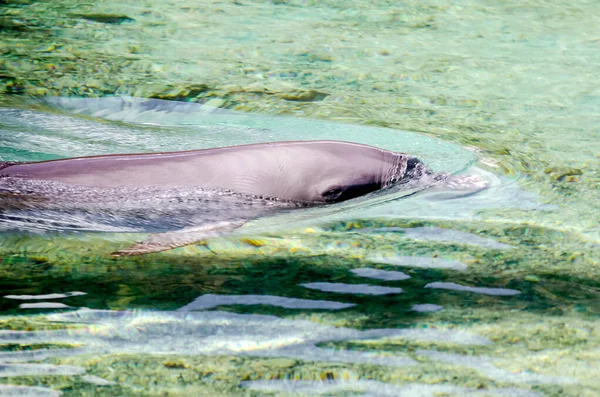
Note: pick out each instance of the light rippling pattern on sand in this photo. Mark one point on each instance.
(215, 332)
(212, 332)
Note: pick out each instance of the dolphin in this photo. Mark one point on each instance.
(196, 194)
(302, 171)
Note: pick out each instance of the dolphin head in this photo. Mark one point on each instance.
(373, 175)
(342, 171)
(392, 171)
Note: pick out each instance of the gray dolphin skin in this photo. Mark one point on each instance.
(302, 171)
(193, 195)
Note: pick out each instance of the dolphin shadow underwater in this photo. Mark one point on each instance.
(188, 196)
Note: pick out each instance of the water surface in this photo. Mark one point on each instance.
(493, 293)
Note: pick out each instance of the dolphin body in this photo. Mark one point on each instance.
(192, 195)
(303, 171)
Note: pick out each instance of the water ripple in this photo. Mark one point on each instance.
(385, 275)
(416, 261)
(209, 301)
(477, 290)
(342, 288)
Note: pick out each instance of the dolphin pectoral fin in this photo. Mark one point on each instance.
(166, 241)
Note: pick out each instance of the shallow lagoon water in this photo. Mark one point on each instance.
(507, 81)
(305, 265)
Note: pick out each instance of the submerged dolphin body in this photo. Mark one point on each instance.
(219, 189)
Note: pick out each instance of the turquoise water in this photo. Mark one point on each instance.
(487, 294)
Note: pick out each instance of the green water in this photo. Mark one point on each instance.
(509, 89)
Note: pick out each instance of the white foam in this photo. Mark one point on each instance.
(477, 290)
(208, 301)
(380, 274)
(417, 261)
(361, 289)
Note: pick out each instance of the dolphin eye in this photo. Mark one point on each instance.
(333, 193)
(351, 190)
